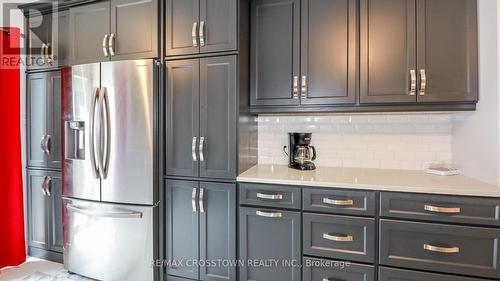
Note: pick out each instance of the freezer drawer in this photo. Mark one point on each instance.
(109, 241)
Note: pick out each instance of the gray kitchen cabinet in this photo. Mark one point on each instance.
(182, 227)
(114, 30)
(44, 120)
(88, 24)
(328, 52)
(393, 274)
(201, 106)
(270, 235)
(275, 51)
(134, 24)
(201, 225)
(447, 50)
(200, 26)
(44, 213)
(336, 270)
(388, 51)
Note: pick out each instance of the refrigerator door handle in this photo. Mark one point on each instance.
(92, 144)
(105, 214)
(107, 133)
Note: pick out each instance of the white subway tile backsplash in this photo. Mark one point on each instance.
(391, 141)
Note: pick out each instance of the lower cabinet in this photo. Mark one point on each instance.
(270, 245)
(45, 235)
(393, 274)
(200, 230)
(336, 270)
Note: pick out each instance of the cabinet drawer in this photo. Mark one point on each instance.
(340, 201)
(339, 237)
(270, 195)
(322, 270)
(393, 274)
(444, 248)
(470, 210)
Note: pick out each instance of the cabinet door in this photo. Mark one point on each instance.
(38, 36)
(183, 120)
(88, 25)
(38, 222)
(218, 229)
(217, 117)
(328, 47)
(274, 52)
(37, 104)
(270, 235)
(55, 213)
(134, 24)
(182, 27)
(182, 224)
(54, 120)
(388, 53)
(447, 50)
(59, 50)
(219, 29)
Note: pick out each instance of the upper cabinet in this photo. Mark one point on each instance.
(47, 39)
(114, 30)
(200, 26)
(418, 51)
(414, 54)
(303, 52)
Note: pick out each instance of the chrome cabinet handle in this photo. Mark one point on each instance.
(42, 144)
(46, 185)
(347, 202)
(202, 33)
(111, 44)
(436, 209)
(346, 238)
(413, 82)
(92, 130)
(105, 45)
(304, 87)
(269, 214)
(48, 58)
(200, 200)
(423, 82)
(42, 187)
(444, 250)
(194, 34)
(269, 196)
(193, 149)
(42, 52)
(193, 199)
(200, 149)
(295, 87)
(45, 144)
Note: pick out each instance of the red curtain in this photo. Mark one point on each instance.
(12, 244)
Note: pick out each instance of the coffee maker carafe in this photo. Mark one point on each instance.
(300, 153)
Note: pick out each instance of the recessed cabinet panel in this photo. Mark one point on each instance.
(388, 51)
(55, 212)
(218, 117)
(328, 51)
(37, 98)
(54, 120)
(134, 24)
(219, 18)
(37, 212)
(447, 50)
(183, 123)
(182, 27)
(275, 45)
(88, 25)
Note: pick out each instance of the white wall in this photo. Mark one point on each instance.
(476, 135)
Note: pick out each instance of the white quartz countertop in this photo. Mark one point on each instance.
(370, 179)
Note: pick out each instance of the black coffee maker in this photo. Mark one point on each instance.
(300, 153)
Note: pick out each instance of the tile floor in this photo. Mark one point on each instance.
(38, 270)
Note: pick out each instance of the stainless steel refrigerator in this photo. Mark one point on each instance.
(110, 194)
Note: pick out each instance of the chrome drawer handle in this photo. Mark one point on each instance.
(436, 209)
(445, 250)
(347, 202)
(269, 214)
(346, 238)
(270, 196)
